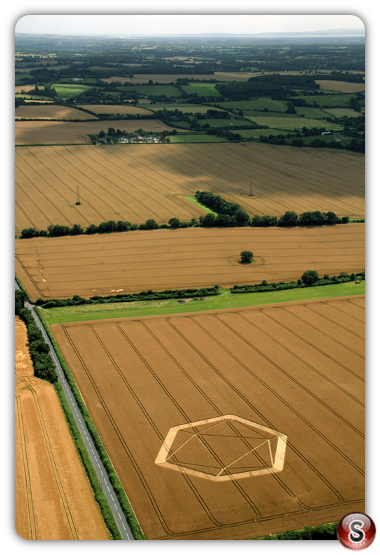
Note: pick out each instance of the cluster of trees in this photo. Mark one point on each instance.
(275, 85)
(356, 145)
(46, 90)
(39, 351)
(310, 278)
(232, 214)
(130, 298)
(221, 207)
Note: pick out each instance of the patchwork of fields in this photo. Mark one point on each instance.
(137, 182)
(294, 374)
(228, 416)
(176, 259)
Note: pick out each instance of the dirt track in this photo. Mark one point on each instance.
(53, 498)
(296, 368)
(176, 259)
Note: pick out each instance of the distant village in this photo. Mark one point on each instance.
(139, 136)
(140, 139)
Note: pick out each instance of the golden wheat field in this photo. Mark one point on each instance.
(191, 408)
(52, 267)
(137, 182)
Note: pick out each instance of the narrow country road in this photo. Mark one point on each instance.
(107, 487)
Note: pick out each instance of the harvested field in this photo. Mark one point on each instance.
(175, 259)
(61, 132)
(53, 498)
(189, 406)
(341, 86)
(51, 112)
(137, 182)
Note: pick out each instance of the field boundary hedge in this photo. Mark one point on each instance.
(150, 295)
(263, 287)
(128, 298)
(321, 532)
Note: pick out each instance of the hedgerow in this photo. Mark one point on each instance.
(321, 532)
(299, 284)
(129, 298)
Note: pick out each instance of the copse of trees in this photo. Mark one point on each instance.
(275, 85)
(238, 216)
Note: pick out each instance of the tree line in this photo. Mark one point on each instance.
(310, 278)
(39, 351)
(224, 214)
(232, 214)
(149, 295)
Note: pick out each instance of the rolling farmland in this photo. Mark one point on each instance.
(137, 182)
(175, 259)
(208, 411)
(230, 424)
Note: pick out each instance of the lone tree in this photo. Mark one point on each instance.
(309, 277)
(246, 257)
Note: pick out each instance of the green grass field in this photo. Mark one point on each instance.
(196, 138)
(201, 89)
(68, 91)
(259, 104)
(225, 300)
(295, 123)
(185, 108)
(330, 100)
(155, 90)
(255, 133)
(312, 113)
(225, 123)
(194, 201)
(341, 112)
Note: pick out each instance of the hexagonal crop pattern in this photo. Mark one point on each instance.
(223, 448)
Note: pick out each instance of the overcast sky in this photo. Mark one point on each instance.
(181, 24)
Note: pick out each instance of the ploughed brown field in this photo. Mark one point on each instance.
(136, 261)
(229, 424)
(341, 86)
(53, 497)
(125, 109)
(137, 182)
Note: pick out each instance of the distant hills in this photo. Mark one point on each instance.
(279, 34)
